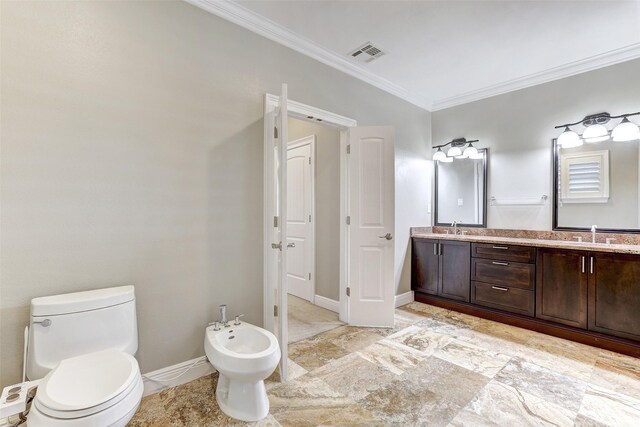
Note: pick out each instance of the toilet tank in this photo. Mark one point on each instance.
(80, 323)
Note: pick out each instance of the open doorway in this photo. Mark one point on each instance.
(366, 218)
(313, 224)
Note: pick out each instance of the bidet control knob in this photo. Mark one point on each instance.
(216, 326)
(238, 316)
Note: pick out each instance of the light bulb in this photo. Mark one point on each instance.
(439, 155)
(464, 155)
(625, 131)
(569, 139)
(454, 152)
(470, 151)
(595, 133)
(479, 155)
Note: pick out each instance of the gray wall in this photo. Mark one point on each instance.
(132, 154)
(518, 127)
(327, 217)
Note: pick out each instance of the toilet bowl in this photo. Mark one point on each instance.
(103, 388)
(244, 355)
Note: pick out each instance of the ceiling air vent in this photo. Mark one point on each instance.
(367, 52)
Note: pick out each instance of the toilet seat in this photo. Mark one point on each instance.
(88, 384)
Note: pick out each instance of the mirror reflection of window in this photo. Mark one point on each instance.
(598, 183)
(461, 192)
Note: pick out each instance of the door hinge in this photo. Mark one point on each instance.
(349, 220)
(309, 218)
(348, 148)
(275, 132)
(309, 276)
(275, 311)
(348, 291)
(275, 221)
(309, 160)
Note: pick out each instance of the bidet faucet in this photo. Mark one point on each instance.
(223, 315)
(593, 233)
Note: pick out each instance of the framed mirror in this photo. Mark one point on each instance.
(461, 191)
(597, 184)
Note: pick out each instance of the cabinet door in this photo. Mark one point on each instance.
(561, 291)
(455, 267)
(424, 266)
(614, 295)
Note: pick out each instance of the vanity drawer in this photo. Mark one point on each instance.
(505, 273)
(504, 252)
(504, 298)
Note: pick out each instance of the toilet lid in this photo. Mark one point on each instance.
(88, 381)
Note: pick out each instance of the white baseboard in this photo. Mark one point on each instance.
(403, 299)
(328, 303)
(200, 369)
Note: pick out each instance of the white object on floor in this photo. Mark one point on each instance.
(83, 344)
(244, 355)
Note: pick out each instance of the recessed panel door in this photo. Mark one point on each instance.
(371, 176)
(299, 227)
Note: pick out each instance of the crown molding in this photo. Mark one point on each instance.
(233, 12)
(612, 57)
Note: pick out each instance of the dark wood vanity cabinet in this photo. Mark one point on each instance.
(425, 260)
(454, 280)
(595, 291)
(441, 267)
(614, 294)
(561, 294)
(589, 297)
(503, 277)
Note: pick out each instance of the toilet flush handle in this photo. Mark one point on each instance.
(238, 316)
(46, 323)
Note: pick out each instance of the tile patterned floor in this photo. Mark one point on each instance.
(307, 320)
(435, 368)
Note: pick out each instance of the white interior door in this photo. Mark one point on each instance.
(299, 217)
(280, 160)
(372, 211)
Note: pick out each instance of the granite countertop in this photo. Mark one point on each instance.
(541, 243)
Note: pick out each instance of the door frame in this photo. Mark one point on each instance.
(308, 113)
(296, 143)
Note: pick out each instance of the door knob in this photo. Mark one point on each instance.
(276, 245)
(291, 245)
(387, 236)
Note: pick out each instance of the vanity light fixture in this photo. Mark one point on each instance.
(625, 131)
(460, 149)
(569, 139)
(596, 131)
(454, 152)
(439, 155)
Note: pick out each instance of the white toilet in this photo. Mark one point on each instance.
(83, 345)
(244, 355)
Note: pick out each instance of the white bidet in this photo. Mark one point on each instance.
(244, 355)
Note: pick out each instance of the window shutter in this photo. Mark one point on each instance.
(585, 177)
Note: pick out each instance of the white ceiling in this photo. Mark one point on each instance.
(444, 53)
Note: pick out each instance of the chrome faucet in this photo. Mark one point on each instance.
(223, 315)
(593, 233)
(454, 224)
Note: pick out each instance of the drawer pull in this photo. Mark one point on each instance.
(499, 263)
(499, 288)
(501, 247)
